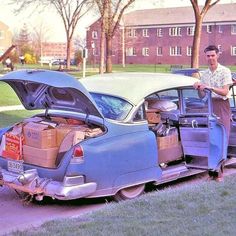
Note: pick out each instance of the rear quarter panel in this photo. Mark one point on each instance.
(125, 155)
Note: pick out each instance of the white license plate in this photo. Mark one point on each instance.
(15, 166)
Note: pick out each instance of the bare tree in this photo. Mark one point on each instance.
(40, 35)
(70, 12)
(111, 12)
(102, 6)
(199, 13)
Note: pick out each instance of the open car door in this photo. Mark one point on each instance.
(232, 137)
(203, 137)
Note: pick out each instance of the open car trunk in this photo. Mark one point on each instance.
(42, 141)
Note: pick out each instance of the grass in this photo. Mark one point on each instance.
(7, 95)
(12, 117)
(207, 208)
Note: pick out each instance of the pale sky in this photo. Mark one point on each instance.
(53, 22)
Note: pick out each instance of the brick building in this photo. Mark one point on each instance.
(53, 50)
(165, 35)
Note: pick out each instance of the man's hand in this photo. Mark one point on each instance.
(201, 86)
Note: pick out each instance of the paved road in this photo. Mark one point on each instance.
(14, 214)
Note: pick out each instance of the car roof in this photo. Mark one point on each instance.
(135, 86)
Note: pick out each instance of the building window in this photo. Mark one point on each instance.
(131, 33)
(95, 52)
(209, 28)
(1, 34)
(190, 31)
(159, 51)
(175, 31)
(131, 52)
(189, 50)
(113, 52)
(145, 33)
(233, 50)
(233, 29)
(159, 32)
(220, 29)
(94, 34)
(145, 52)
(175, 51)
(220, 48)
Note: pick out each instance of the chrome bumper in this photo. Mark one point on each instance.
(29, 182)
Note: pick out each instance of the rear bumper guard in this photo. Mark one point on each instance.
(29, 182)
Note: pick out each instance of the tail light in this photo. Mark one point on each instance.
(78, 152)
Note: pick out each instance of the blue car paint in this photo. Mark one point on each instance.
(126, 154)
(218, 148)
(121, 157)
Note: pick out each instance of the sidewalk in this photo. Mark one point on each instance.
(11, 108)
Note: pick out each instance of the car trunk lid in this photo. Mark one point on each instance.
(42, 89)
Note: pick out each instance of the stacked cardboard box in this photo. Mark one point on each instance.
(38, 141)
(40, 144)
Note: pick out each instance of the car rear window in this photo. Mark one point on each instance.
(112, 107)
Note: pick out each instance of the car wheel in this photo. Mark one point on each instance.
(129, 193)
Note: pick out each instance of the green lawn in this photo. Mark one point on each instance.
(204, 209)
(12, 117)
(7, 95)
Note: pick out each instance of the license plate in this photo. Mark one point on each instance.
(15, 166)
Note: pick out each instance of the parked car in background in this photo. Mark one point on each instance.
(185, 71)
(109, 135)
(63, 62)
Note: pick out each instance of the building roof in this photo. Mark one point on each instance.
(133, 86)
(179, 15)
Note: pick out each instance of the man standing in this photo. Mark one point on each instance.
(218, 79)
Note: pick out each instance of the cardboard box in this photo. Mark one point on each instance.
(13, 143)
(59, 120)
(62, 131)
(93, 132)
(42, 157)
(167, 141)
(153, 117)
(169, 154)
(78, 136)
(67, 142)
(75, 122)
(40, 135)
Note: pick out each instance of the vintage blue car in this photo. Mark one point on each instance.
(109, 135)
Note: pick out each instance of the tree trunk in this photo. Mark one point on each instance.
(68, 47)
(108, 54)
(102, 48)
(196, 43)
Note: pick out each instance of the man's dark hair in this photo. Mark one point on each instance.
(211, 48)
